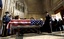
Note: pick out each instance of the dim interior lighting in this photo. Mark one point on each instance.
(53, 16)
(41, 18)
(58, 16)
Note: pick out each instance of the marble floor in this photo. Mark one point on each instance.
(54, 35)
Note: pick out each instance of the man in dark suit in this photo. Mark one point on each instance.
(54, 25)
(46, 27)
(60, 23)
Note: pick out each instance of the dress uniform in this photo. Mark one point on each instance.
(5, 20)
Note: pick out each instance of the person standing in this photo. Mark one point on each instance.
(60, 27)
(47, 23)
(5, 21)
(55, 24)
(46, 27)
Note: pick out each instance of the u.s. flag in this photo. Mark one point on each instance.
(24, 22)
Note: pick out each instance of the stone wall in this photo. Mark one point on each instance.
(56, 4)
(34, 8)
(51, 5)
(39, 7)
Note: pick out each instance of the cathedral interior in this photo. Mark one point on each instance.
(32, 19)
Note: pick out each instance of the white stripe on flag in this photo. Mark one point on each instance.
(24, 22)
(19, 22)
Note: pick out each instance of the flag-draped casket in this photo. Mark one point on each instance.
(24, 22)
